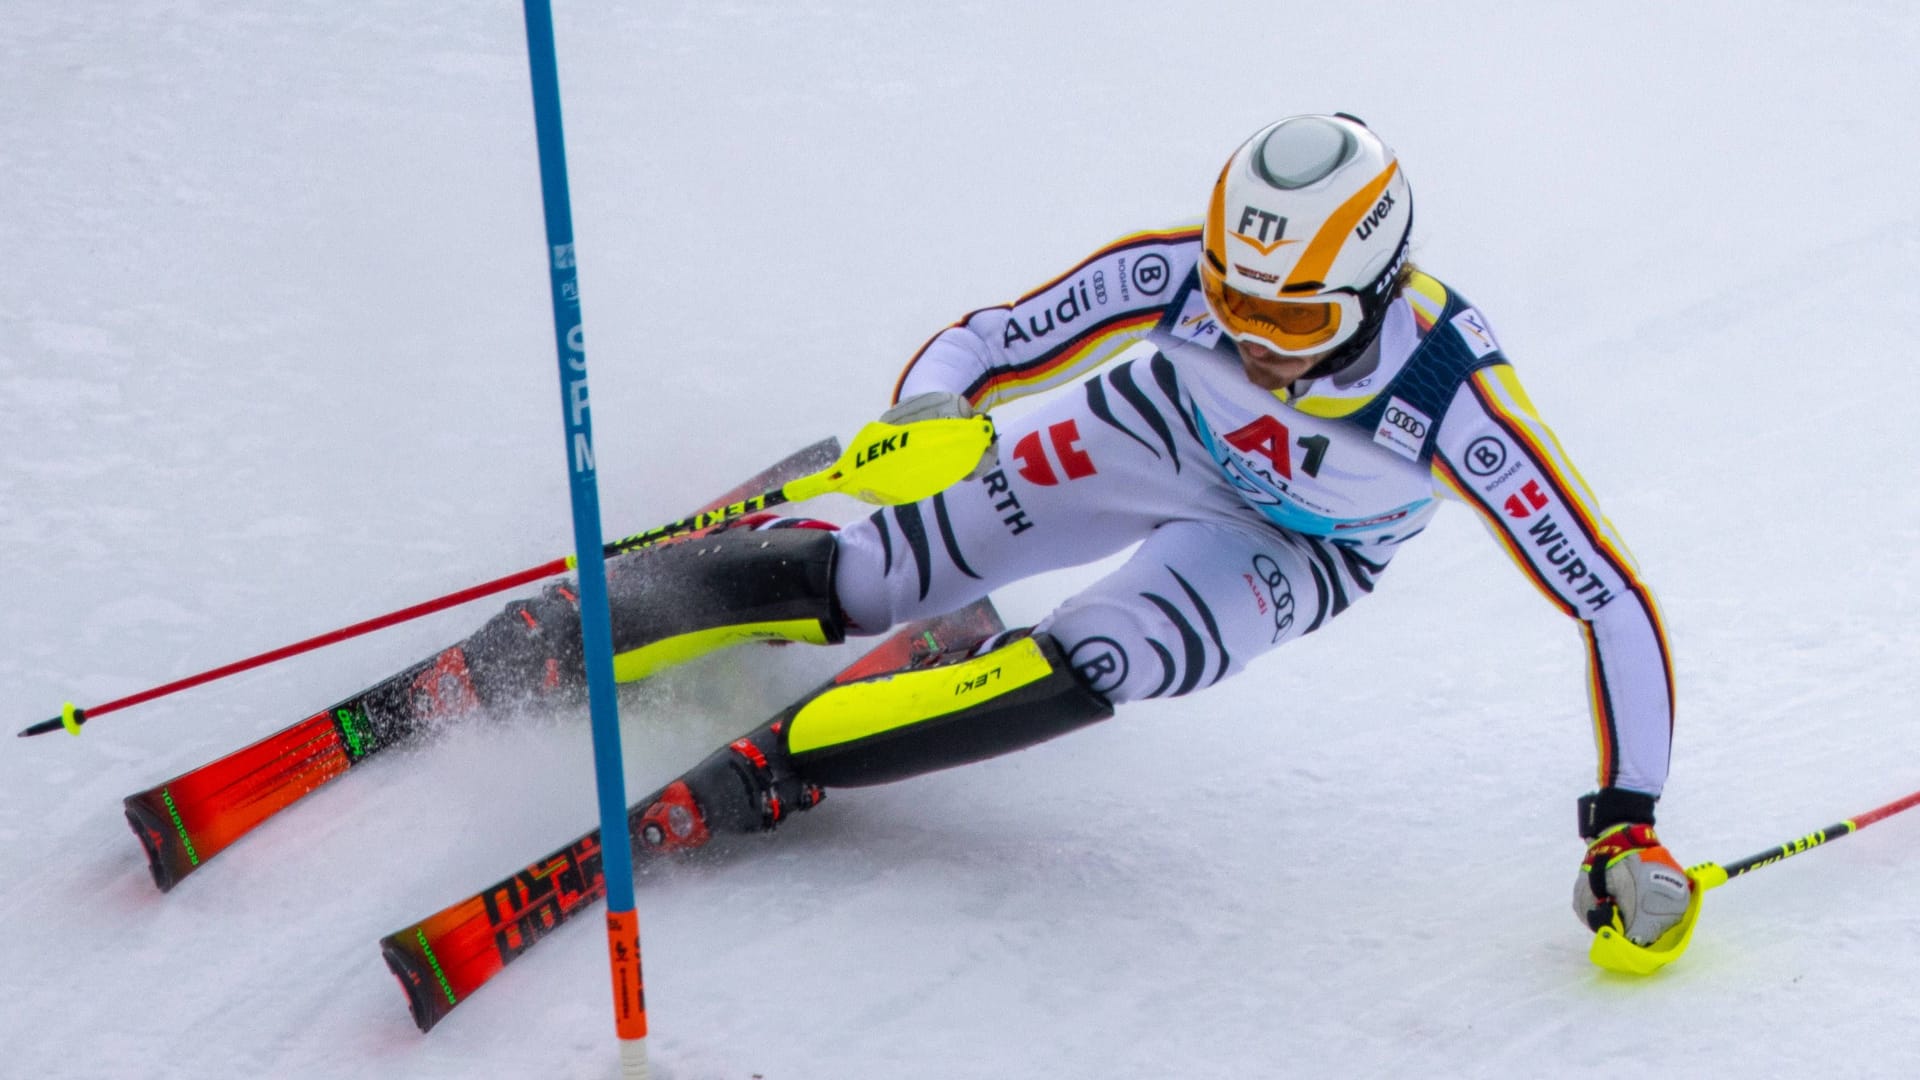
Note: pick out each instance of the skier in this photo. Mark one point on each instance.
(1268, 404)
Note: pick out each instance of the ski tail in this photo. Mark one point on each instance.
(445, 957)
(194, 816)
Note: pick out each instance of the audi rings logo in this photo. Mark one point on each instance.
(1406, 422)
(1279, 590)
(1485, 455)
(1100, 662)
(1151, 274)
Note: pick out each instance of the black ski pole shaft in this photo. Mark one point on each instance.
(1714, 875)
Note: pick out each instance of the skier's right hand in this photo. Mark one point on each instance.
(943, 405)
(1631, 881)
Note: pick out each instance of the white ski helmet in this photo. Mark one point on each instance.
(1308, 226)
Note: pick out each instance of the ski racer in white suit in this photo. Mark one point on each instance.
(1268, 404)
(1295, 401)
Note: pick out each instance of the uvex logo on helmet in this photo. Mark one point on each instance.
(1384, 282)
(1375, 217)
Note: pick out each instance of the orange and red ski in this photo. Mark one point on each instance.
(195, 816)
(445, 957)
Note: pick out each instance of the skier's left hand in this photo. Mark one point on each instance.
(1629, 875)
(943, 405)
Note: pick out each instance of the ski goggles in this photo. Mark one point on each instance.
(1301, 327)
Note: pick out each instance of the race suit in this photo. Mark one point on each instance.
(1259, 515)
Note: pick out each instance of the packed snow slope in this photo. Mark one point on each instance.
(275, 356)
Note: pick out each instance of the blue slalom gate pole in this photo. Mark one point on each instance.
(623, 925)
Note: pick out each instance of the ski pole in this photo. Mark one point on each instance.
(887, 464)
(1613, 951)
(596, 626)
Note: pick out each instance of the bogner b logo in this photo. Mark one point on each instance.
(881, 448)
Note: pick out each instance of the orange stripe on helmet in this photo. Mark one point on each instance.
(1216, 231)
(1319, 256)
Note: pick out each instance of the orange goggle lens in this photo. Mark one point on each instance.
(1291, 324)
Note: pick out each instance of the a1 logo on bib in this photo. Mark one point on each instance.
(1403, 429)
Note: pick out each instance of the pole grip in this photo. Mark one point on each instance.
(1612, 950)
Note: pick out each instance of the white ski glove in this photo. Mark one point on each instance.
(1630, 880)
(943, 405)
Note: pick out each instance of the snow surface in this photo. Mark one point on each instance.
(275, 356)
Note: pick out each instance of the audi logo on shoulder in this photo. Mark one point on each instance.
(1406, 422)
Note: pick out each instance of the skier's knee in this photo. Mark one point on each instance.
(1116, 647)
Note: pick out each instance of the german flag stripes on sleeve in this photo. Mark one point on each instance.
(1497, 456)
(1061, 330)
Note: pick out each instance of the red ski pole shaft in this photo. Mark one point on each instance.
(879, 468)
(71, 718)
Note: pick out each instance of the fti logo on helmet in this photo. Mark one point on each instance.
(1268, 221)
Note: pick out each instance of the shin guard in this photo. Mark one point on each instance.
(873, 731)
(917, 721)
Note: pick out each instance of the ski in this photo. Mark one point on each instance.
(196, 815)
(441, 960)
